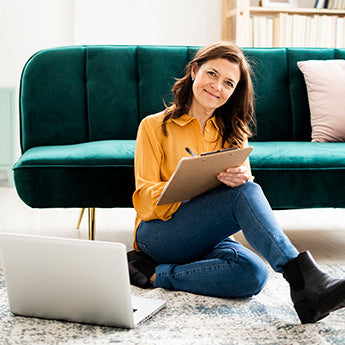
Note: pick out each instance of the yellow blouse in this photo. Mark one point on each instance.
(157, 155)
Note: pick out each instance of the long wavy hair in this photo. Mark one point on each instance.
(236, 116)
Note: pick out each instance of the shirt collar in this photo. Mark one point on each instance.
(185, 119)
(214, 121)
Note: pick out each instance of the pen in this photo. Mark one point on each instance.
(190, 151)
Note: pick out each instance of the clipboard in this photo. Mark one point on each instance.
(196, 175)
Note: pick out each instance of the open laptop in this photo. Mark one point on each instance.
(73, 280)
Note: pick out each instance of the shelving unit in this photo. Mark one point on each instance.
(237, 21)
(7, 131)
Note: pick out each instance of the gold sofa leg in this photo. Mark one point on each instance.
(91, 221)
(92, 215)
(80, 217)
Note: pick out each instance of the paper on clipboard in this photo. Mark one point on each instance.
(196, 175)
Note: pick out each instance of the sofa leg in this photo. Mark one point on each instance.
(80, 217)
(92, 214)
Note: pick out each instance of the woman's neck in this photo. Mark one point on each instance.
(201, 114)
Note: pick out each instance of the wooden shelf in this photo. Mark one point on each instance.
(237, 17)
(305, 11)
(275, 10)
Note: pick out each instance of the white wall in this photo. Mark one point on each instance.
(171, 22)
(27, 26)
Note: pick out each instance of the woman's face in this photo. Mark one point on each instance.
(214, 83)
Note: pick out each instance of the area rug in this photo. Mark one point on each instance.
(265, 319)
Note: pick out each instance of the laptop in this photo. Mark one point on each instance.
(72, 280)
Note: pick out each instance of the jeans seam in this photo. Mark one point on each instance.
(262, 228)
(146, 249)
(194, 270)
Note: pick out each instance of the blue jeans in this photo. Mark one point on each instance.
(196, 255)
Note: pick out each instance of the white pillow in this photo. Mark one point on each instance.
(325, 80)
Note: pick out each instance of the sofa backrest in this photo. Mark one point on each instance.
(84, 93)
(282, 108)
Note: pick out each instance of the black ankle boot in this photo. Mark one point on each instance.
(141, 268)
(314, 293)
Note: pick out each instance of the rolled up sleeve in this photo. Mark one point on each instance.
(149, 186)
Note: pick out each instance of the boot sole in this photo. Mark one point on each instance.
(313, 311)
(308, 314)
(335, 301)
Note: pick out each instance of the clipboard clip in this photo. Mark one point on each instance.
(208, 153)
(218, 151)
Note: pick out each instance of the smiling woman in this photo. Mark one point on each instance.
(214, 83)
(232, 68)
(185, 245)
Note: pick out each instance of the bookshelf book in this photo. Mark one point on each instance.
(253, 26)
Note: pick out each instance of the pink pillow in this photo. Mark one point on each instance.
(325, 80)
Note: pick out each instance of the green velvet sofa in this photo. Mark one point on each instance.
(80, 108)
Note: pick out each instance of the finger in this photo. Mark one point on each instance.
(232, 181)
(240, 169)
(240, 176)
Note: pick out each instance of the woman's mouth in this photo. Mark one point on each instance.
(211, 94)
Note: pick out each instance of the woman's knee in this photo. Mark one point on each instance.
(258, 275)
(251, 188)
(247, 273)
(251, 278)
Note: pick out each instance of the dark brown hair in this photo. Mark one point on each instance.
(234, 117)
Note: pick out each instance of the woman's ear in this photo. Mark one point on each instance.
(194, 70)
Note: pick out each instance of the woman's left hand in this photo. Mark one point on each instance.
(234, 177)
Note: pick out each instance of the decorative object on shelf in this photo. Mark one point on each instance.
(330, 4)
(279, 3)
(320, 4)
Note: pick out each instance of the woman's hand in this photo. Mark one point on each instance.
(234, 177)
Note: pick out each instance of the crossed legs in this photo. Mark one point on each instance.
(195, 254)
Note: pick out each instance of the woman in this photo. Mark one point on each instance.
(186, 245)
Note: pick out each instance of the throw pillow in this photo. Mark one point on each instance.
(325, 81)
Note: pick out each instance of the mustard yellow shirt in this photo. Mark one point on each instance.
(157, 155)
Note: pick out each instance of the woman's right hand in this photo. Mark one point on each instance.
(234, 177)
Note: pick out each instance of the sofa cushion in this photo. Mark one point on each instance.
(112, 92)
(158, 68)
(300, 114)
(297, 155)
(52, 98)
(272, 99)
(93, 154)
(300, 174)
(325, 81)
(96, 174)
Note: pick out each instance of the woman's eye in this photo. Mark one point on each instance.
(229, 83)
(211, 73)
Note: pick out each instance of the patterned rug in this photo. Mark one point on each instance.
(266, 319)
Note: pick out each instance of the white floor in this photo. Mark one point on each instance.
(322, 231)
(111, 224)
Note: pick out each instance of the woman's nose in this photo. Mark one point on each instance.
(217, 85)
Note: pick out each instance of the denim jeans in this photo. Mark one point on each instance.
(196, 255)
